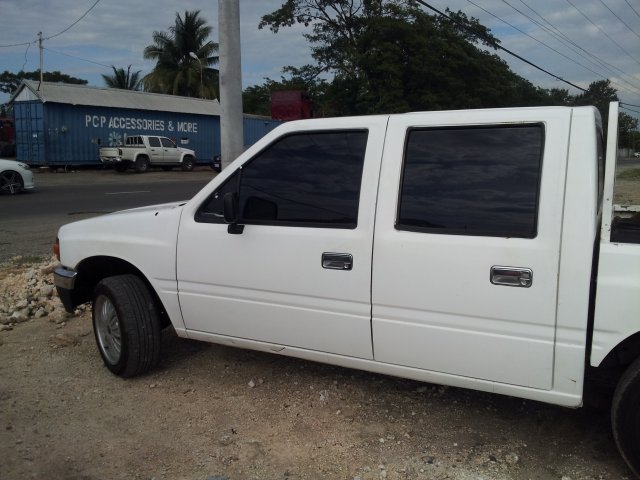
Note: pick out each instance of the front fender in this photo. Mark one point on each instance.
(143, 240)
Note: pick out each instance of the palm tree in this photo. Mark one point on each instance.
(184, 59)
(124, 80)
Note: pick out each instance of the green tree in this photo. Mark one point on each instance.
(391, 56)
(176, 71)
(627, 131)
(10, 81)
(598, 94)
(122, 79)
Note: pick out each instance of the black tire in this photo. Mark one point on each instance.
(121, 167)
(11, 182)
(187, 164)
(142, 164)
(126, 324)
(625, 416)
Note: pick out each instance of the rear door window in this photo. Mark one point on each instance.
(472, 181)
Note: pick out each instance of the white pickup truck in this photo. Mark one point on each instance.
(475, 248)
(143, 151)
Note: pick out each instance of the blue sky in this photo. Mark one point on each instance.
(115, 32)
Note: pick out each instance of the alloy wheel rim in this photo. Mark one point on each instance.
(108, 329)
(9, 182)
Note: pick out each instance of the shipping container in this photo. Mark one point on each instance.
(66, 124)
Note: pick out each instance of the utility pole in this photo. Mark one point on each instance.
(231, 126)
(40, 47)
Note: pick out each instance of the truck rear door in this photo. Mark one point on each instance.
(467, 241)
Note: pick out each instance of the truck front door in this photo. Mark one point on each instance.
(155, 150)
(170, 153)
(299, 274)
(465, 271)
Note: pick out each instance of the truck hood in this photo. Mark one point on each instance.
(161, 207)
(147, 234)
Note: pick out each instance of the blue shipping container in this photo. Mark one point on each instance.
(63, 134)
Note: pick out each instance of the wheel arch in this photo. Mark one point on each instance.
(94, 269)
(624, 353)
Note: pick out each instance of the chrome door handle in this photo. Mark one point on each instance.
(337, 261)
(512, 276)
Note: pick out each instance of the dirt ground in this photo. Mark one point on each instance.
(211, 412)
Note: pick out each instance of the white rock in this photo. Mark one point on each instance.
(251, 383)
(20, 316)
(512, 458)
(46, 291)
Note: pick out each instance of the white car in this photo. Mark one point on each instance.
(15, 177)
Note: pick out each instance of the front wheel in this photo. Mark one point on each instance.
(625, 416)
(126, 324)
(187, 164)
(10, 182)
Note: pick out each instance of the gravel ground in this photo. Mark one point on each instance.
(213, 412)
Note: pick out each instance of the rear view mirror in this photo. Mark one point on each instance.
(230, 210)
(230, 207)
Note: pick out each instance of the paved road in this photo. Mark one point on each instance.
(29, 221)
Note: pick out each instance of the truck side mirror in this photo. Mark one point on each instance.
(230, 210)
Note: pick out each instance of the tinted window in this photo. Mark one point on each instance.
(167, 143)
(154, 142)
(472, 181)
(212, 210)
(310, 179)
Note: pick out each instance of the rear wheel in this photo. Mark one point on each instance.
(126, 324)
(625, 416)
(11, 182)
(142, 164)
(187, 164)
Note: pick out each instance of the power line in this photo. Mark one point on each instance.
(603, 32)
(500, 47)
(569, 43)
(540, 41)
(74, 23)
(76, 57)
(25, 57)
(621, 21)
(57, 34)
(631, 7)
(629, 109)
(17, 44)
(603, 63)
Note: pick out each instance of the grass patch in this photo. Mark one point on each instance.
(22, 260)
(631, 174)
